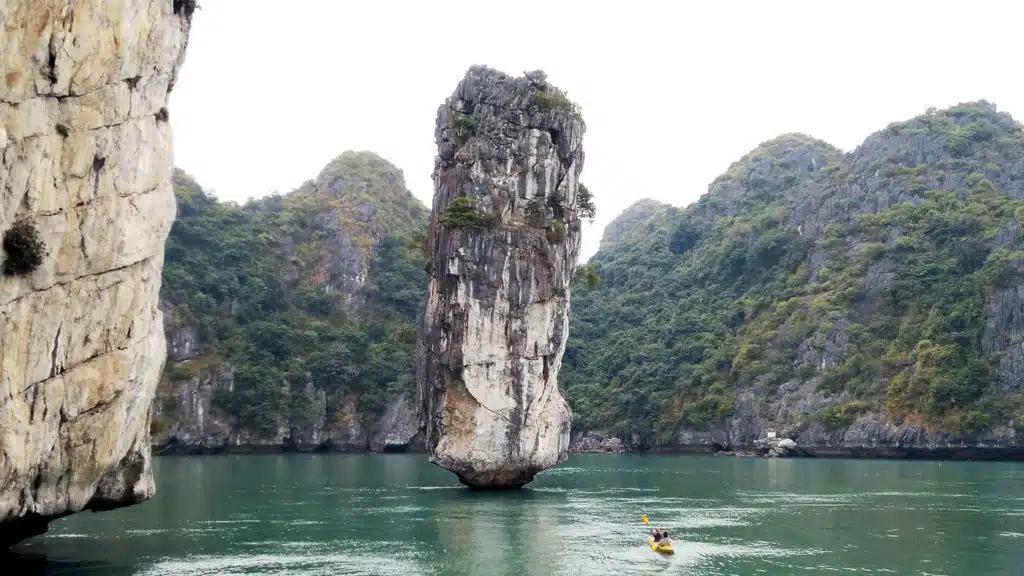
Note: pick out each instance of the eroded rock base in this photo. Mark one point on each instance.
(23, 528)
(513, 480)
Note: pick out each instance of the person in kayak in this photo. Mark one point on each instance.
(665, 539)
(656, 534)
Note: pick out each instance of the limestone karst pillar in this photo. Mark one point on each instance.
(503, 242)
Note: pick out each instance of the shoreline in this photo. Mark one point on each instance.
(202, 450)
(960, 453)
(944, 453)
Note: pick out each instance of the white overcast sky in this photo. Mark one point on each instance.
(672, 91)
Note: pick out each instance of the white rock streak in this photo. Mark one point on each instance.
(497, 311)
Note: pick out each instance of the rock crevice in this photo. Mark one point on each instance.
(503, 242)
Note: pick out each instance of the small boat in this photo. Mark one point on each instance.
(663, 547)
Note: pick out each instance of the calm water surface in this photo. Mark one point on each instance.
(397, 514)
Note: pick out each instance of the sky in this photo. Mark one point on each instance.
(672, 92)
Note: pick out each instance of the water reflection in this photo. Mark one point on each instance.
(516, 532)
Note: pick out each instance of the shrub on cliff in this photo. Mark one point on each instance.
(464, 213)
(585, 203)
(554, 100)
(24, 249)
(842, 415)
(556, 233)
(185, 7)
(464, 127)
(536, 213)
(587, 275)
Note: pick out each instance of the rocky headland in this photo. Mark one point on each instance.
(85, 207)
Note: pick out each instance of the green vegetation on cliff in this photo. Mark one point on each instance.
(316, 286)
(23, 249)
(810, 288)
(841, 297)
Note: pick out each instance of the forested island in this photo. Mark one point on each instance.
(868, 302)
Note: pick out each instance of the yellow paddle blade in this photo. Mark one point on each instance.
(644, 519)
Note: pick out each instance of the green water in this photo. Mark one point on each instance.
(398, 515)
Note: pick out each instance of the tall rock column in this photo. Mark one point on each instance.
(85, 207)
(503, 241)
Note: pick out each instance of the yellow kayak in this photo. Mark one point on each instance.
(663, 547)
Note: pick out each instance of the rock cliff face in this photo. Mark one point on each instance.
(86, 165)
(191, 421)
(866, 302)
(290, 320)
(503, 242)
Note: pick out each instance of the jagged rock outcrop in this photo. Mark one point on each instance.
(196, 426)
(597, 443)
(188, 420)
(86, 163)
(503, 242)
(774, 447)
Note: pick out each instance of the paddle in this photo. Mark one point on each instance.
(670, 549)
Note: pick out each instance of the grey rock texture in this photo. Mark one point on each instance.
(900, 163)
(775, 447)
(398, 427)
(597, 443)
(85, 154)
(191, 423)
(497, 310)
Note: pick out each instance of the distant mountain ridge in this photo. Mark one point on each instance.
(867, 299)
(291, 320)
(862, 302)
(631, 222)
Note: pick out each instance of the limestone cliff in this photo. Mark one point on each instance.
(85, 207)
(503, 242)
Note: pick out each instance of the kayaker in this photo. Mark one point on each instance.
(666, 539)
(656, 534)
